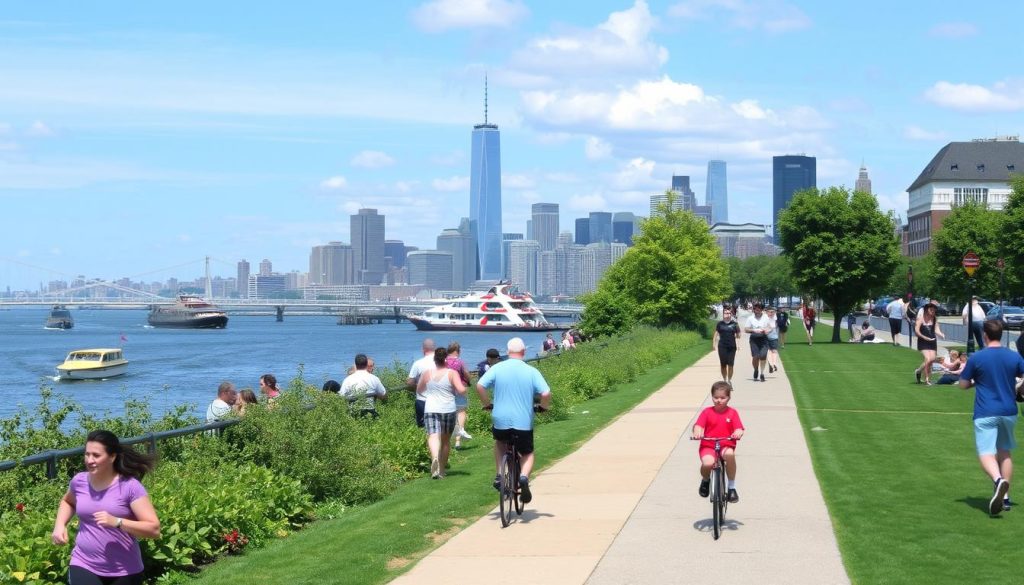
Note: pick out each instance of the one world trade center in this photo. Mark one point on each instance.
(485, 196)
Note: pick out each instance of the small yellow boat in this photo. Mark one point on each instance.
(91, 364)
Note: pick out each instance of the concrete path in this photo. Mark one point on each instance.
(624, 507)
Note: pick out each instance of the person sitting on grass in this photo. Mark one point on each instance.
(866, 333)
(718, 421)
(952, 366)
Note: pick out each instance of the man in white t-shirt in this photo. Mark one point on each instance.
(221, 406)
(758, 326)
(977, 321)
(362, 388)
(424, 364)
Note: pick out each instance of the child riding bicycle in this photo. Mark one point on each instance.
(718, 421)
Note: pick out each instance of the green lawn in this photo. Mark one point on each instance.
(897, 465)
(373, 544)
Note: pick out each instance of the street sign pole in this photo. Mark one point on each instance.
(1002, 272)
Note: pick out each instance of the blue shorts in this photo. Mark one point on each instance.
(461, 401)
(994, 433)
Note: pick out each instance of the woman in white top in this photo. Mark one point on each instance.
(439, 387)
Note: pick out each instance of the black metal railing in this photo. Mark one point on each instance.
(52, 456)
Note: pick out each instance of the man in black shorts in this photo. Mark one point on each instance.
(727, 332)
(758, 326)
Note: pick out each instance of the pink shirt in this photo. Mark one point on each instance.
(108, 552)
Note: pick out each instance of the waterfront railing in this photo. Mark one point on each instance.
(52, 456)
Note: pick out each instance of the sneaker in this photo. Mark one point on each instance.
(463, 434)
(917, 374)
(733, 496)
(524, 489)
(435, 469)
(1007, 504)
(497, 482)
(755, 374)
(995, 505)
(705, 488)
(762, 377)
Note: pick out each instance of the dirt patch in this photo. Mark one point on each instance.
(438, 539)
(398, 563)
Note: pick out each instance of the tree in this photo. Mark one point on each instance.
(841, 247)
(924, 277)
(671, 276)
(772, 277)
(968, 228)
(1011, 237)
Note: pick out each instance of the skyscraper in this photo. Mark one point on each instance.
(459, 243)
(600, 227)
(545, 225)
(716, 194)
(485, 196)
(790, 173)
(242, 281)
(331, 264)
(622, 227)
(266, 268)
(863, 182)
(395, 249)
(583, 231)
(506, 239)
(430, 268)
(522, 265)
(367, 229)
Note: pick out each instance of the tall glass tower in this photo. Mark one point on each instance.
(790, 173)
(716, 195)
(485, 196)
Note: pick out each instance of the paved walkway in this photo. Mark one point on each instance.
(624, 507)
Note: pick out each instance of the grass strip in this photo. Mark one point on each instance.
(906, 495)
(375, 543)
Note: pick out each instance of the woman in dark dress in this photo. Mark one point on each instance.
(928, 332)
(727, 331)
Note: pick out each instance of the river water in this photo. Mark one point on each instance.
(175, 366)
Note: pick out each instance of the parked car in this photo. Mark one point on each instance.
(1011, 316)
(946, 309)
(878, 309)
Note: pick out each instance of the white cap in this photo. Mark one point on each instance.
(516, 345)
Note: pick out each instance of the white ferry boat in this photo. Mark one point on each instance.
(501, 308)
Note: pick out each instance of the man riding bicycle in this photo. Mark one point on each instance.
(515, 385)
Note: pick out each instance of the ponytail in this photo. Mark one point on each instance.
(127, 461)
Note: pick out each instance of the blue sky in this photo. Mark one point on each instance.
(138, 137)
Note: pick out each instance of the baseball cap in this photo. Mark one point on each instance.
(516, 345)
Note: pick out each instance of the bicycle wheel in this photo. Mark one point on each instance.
(716, 497)
(518, 492)
(722, 485)
(507, 492)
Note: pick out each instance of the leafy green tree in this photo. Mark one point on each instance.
(772, 277)
(924, 277)
(968, 228)
(671, 276)
(1011, 237)
(841, 247)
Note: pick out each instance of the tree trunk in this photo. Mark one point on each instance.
(837, 321)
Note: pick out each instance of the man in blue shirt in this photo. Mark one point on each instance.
(993, 373)
(515, 384)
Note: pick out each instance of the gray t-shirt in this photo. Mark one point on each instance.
(363, 387)
(424, 364)
(895, 309)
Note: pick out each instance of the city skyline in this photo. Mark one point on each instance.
(164, 141)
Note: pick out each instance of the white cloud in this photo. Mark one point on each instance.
(594, 201)
(442, 15)
(619, 44)
(39, 130)
(372, 159)
(953, 30)
(917, 133)
(773, 16)
(1003, 96)
(334, 183)
(406, 186)
(661, 107)
(451, 184)
(638, 173)
(517, 182)
(596, 149)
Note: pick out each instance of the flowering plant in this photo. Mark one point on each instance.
(236, 541)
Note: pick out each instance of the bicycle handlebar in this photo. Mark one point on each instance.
(714, 439)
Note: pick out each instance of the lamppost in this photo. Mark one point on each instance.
(910, 300)
(1002, 271)
(970, 262)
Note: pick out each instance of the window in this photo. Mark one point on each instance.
(981, 168)
(954, 167)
